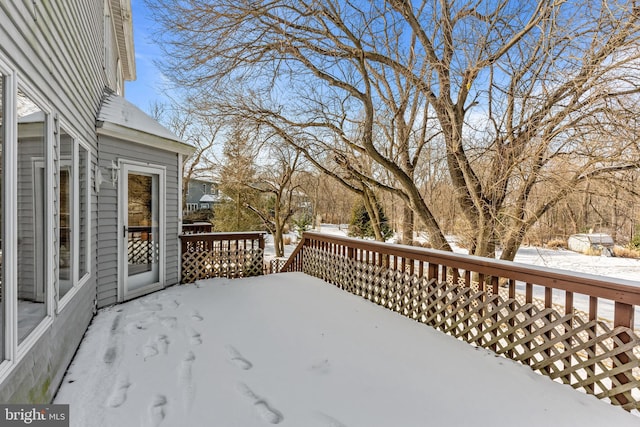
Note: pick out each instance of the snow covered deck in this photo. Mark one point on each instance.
(290, 349)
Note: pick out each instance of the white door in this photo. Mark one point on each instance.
(142, 225)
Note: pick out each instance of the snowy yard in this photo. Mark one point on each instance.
(292, 350)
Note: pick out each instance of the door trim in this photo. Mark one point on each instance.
(39, 213)
(124, 167)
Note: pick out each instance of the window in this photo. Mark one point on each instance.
(44, 215)
(66, 217)
(2, 215)
(83, 210)
(31, 215)
(73, 215)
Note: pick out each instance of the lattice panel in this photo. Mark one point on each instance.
(276, 264)
(588, 355)
(142, 251)
(201, 264)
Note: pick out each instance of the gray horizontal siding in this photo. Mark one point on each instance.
(56, 47)
(40, 372)
(58, 50)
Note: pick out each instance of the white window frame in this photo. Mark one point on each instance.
(15, 352)
(10, 260)
(76, 281)
(22, 349)
(87, 253)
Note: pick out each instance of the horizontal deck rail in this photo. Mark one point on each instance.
(575, 328)
(197, 227)
(207, 255)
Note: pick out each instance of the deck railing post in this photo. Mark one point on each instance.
(623, 316)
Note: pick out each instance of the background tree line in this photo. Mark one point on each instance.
(494, 120)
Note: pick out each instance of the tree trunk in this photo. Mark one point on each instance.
(371, 205)
(407, 225)
(277, 235)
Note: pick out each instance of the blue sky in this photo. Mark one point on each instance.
(148, 86)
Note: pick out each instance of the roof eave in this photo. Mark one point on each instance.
(132, 135)
(127, 50)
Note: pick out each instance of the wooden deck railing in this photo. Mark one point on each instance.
(207, 255)
(575, 328)
(197, 227)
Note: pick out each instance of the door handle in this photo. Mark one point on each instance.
(124, 231)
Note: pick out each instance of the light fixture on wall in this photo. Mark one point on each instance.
(114, 172)
(99, 179)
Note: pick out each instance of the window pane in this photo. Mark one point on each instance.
(32, 242)
(2, 204)
(65, 198)
(83, 173)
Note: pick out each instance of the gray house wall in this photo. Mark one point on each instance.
(195, 190)
(40, 372)
(112, 150)
(56, 49)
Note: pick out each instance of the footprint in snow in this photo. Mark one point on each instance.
(150, 350)
(196, 316)
(115, 324)
(169, 322)
(329, 421)
(261, 406)
(119, 393)
(134, 327)
(157, 411)
(185, 379)
(160, 344)
(321, 367)
(238, 360)
(194, 336)
(163, 343)
(110, 355)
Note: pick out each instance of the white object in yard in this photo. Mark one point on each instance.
(585, 242)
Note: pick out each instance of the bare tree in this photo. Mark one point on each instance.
(278, 180)
(515, 90)
(195, 129)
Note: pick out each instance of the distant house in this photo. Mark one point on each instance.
(90, 186)
(201, 194)
(590, 241)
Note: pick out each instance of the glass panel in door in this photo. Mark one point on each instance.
(142, 230)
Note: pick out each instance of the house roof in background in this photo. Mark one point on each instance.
(121, 119)
(203, 181)
(209, 198)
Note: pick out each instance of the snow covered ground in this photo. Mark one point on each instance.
(621, 268)
(292, 350)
